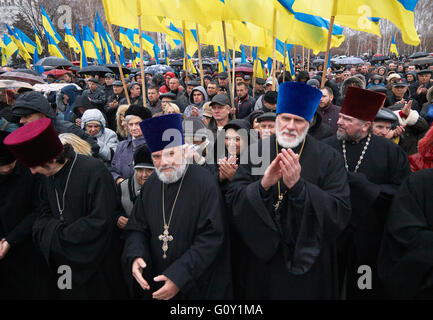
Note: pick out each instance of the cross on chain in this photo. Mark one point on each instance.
(165, 238)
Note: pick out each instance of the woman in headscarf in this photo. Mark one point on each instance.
(65, 99)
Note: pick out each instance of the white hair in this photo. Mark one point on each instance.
(177, 173)
(290, 143)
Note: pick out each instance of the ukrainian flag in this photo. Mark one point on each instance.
(83, 59)
(166, 55)
(124, 39)
(9, 45)
(4, 58)
(393, 48)
(21, 49)
(71, 40)
(221, 65)
(28, 44)
(53, 49)
(89, 45)
(38, 41)
(49, 28)
(399, 12)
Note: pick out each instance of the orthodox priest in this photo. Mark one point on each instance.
(176, 243)
(376, 168)
(288, 218)
(76, 225)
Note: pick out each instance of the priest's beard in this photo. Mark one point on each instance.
(173, 176)
(342, 135)
(290, 142)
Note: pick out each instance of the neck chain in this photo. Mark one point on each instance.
(360, 158)
(281, 196)
(165, 237)
(64, 192)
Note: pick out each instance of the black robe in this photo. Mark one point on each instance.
(406, 258)
(381, 172)
(198, 257)
(87, 240)
(23, 271)
(290, 254)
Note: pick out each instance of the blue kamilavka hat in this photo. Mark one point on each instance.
(298, 99)
(163, 132)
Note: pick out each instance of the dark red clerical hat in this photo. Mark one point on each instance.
(362, 104)
(35, 143)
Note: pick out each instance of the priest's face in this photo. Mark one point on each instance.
(170, 163)
(291, 130)
(7, 168)
(351, 129)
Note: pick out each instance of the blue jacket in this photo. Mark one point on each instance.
(122, 165)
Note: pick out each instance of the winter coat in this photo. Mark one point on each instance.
(122, 165)
(424, 158)
(97, 96)
(188, 109)
(106, 138)
(66, 111)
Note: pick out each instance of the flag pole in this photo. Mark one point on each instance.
(284, 61)
(227, 57)
(143, 78)
(200, 61)
(232, 93)
(303, 58)
(185, 54)
(308, 60)
(122, 77)
(255, 75)
(328, 45)
(274, 49)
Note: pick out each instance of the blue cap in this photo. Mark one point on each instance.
(299, 99)
(163, 132)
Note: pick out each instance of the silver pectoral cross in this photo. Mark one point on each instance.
(165, 237)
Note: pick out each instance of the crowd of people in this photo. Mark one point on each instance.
(283, 192)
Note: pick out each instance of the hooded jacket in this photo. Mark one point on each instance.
(67, 110)
(188, 109)
(106, 138)
(424, 158)
(356, 80)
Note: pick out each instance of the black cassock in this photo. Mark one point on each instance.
(87, 240)
(23, 271)
(406, 257)
(198, 257)
(380, 174)
(291, 253)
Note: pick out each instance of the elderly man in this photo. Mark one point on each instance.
(289, 213)
(221, 109)
(95, 94)
(75, 226)
(107, 87)
(176, 243)
(113, 104)
(122, 164)
(266, 124)
(244, 103)
(419, 89)
(376, 168)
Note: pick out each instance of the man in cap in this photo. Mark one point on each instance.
(400, 94)
(129, 189)
(259, 89)
(76, 219)
(221, 113)
(270, 101)
(23, 274)
(154, 104)
(113, 104)
(266, 124)
(376, 167)
(383, 123)
(167, 98)
(419, 89)
(176, 242)
(108, 85)
(288, 219)
(135, 96)
(31, 106)
(95, 94)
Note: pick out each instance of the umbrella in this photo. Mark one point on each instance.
(56, 72)
(349, 60)
(379, 58)
(177, 63)
(74, 68)
(95, 70)
(244, 69)
(322, 60)
(418, 55)
(20, 76)
(115, 69)
(29, 71)
(51, 87)
(54, 62)
(13, 84)
(421, 61)
(378, 55)
(158, 68)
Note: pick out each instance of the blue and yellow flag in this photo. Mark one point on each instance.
(22, 51)
(71, 40)
(221, 64)
(9, 45)
(38, 41)
(125, 40)
(166, 55)
(49, 27)
(243, 57)
(89, 45)
(4, 58)
(53, 49)
(360, 12)
(83, 58)
(393, 48)
(28, 44)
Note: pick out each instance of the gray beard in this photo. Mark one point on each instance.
(345, 136)
(172, 177)
(290, 144)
